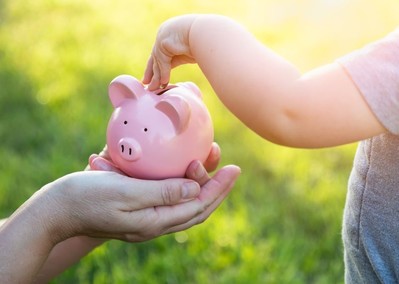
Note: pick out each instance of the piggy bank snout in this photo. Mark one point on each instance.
(129, 149)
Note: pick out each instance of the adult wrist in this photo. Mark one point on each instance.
(51, 211)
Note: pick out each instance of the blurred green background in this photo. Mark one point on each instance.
(281, 223)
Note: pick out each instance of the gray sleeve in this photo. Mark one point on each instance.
(375, 71)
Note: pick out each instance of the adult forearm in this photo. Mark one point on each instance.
(24, 245)
(65, 254)
(62, 256)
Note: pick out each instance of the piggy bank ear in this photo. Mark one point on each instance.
(177, 110)
(193, 87)
(124, 87)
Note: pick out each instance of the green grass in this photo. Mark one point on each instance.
(281, 223)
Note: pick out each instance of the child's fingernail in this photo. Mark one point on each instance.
(190, 190)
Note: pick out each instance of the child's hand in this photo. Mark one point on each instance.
(171, 49)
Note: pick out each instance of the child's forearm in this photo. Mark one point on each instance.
(265, 91)
(246, 76)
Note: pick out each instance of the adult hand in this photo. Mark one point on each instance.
(105, 205)
(170, 205)
(110, 205)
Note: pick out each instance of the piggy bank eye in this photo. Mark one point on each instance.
(145, 129)
(125, 122)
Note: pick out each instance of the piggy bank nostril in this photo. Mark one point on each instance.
(123, 150)
(129, 149)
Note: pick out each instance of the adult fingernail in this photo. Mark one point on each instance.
(199, 170)
(190, 190)
(101, 165)
(92, 157)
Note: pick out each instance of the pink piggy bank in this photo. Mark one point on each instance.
(156, 134)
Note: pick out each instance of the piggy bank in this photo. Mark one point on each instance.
(156, 134)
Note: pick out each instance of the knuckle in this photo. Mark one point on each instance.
(131, 238)
(120, 195)
(204, 207)
(169, 193)
(201, 218)
(202, 214)
(138, 236)
(143, 236)
(201, 210)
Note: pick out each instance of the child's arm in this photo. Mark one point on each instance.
(317, 109)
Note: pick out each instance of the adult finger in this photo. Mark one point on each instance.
(197, 172)
(213, 159)
(203, 216)
(139, 194)
(185, 215)
(98, 163)
(104, 153)
(226, 179)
